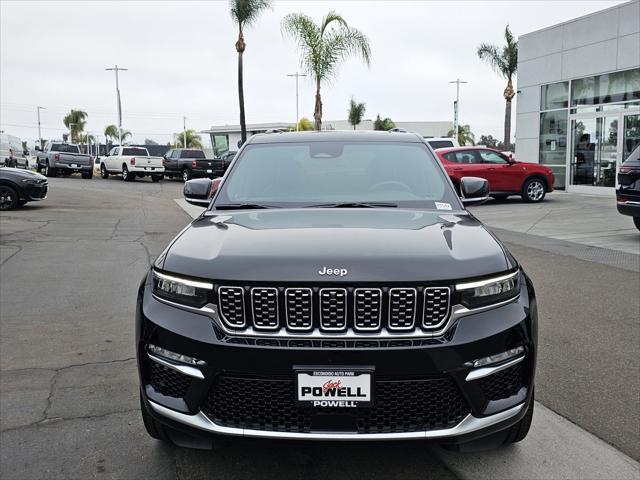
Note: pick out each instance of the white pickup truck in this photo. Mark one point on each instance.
(131, 162)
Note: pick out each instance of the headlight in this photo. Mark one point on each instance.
(489, 291)
(181, 290)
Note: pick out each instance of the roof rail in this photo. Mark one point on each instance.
(398, 130)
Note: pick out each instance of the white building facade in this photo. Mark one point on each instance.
(578, 104)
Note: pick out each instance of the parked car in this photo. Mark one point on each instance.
(188, 163)
(628, 191)
(335, 288)
(131, 162)
(12, 152)
(63, 158)
(506, 176)
(227, 158)
(18, 187)
(442, 142)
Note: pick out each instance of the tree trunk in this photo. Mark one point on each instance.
(508, 96)
(240, 46)
(317, 113)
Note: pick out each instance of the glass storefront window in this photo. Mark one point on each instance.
(607, 88)
(220, 144)
(553, 143)
(554, 96)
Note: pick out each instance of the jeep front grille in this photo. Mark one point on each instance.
(334, 309)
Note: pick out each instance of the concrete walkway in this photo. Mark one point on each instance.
(584, 219)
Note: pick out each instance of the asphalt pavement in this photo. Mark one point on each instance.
(69, 271)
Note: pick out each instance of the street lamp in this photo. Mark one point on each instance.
(117, 69)
(456, 107)
(297, 75)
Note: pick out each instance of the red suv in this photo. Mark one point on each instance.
(506, 176)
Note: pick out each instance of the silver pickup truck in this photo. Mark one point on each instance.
(65, 159)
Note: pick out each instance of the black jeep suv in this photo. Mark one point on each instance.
(335, 288)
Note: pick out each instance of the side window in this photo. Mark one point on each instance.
(466, 157)
(451, 157)
(114, 151)
(175, 154)
(492, 157)
(168, 154)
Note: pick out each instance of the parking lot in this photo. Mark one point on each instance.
(70, 267)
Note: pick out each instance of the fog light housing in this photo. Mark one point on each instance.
(173, 356)
(498, 357)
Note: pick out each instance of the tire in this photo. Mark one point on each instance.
(126, 175)
(38, 168)
(154, 428)
(48, 171)
(87, 175)
(636, 222)
(156, 178)
(186, 175)
(534, 190)
(519, 431)
(104, 173)
(8, 197)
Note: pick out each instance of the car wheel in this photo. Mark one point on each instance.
(104, 173)
(127, 176)
(519, 431)
(534, 190)
(156, 178)
(87, 175)
(154, 428)
(636, 222)
(8, 198)
(38, 168)
(48, 171)
(186, 175)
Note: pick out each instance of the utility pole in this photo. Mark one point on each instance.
(297, 75)
(456, 105)
(117, 69)
(184, 132)
(39, 133)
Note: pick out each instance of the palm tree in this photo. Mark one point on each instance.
(465, 135)
(110, 133)
(304, 125)
(75, 121)
(124, 135)
(504, 62)
(244, 13)
(193, 140)
(356, 112)
(323, 47)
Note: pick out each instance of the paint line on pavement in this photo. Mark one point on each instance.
(192, 210)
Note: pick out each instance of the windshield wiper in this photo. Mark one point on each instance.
(242, 206)
(355, 205)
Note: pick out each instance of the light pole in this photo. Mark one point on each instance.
(39, 134)
(117, 69)
(184, 132)
(297, 75)
(456, 125)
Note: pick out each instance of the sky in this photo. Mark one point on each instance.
(182, 62)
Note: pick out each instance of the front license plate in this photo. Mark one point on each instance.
(342, 388)
(209, 171)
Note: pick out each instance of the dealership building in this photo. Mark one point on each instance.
(578, 103)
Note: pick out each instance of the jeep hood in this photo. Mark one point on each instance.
(292, 245)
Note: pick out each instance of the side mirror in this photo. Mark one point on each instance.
(510, 158)
(199, 191)
(474, 190)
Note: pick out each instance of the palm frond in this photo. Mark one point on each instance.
(246, 12)
(332, 17)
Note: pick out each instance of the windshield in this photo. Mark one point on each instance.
(192, 154)
(320, 173)
(65, 148)
(140, 152)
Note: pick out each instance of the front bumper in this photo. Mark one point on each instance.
(34, 191)
(482, 411)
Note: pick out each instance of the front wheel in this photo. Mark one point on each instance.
(534, 190)
(636, 222)
(104, 173)
(49, 171)
(8, 198)
(154, 428)
(519, 431)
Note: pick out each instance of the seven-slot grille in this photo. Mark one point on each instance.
(305, 309)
